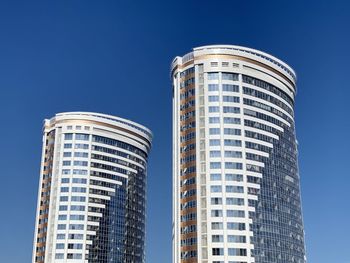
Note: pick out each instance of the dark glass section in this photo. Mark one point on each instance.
(108, 243)
(120, 237)
(135, 218)
(119, 144)
(277, 223)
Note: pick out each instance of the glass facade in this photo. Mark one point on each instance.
(277, 221)
(120, 235)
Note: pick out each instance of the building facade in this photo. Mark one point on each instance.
(236, 187)
(92, 191)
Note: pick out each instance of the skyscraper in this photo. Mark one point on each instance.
(92, 192)
(236, 187)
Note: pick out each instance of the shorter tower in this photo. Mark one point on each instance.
(92, 191)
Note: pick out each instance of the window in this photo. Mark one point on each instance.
(216, 201)
(213, 87)
(80, 163)
(81, 172)
(252, 203)
(213, 75)
(76, 226)
(78, 198)
(253, 179)
(68, 136)
(214, 131)
(82, 137)
(231, 165)
(64, 198)
(231, 120)
(217, 238)
(216, 213)
(60, 236)
(215, 177)
(229, 109)
(230, 99)
(215, 153)
(234, 177)
(61, 227)
(237, 252)
(229, 142)
(66, 163)
(66, 171)
(231, 131)
(67, 146)
(186, 137)
(253, 191)
(79, 181)
(213, 98)
(65, 180)
(234, 201)
(189, 204)
(236, 239)
(216, 189)
(230, 88)
(62, 217)
(79, 189)
(59, 246)
(59, 256)
(81, 146)
(64, 189)
(77, 208)
(63, 208)
(214, 142)
(215, 165)
(76, 217)
(214, 119)
(254, 168)
(75, 246)
(229, 76)
(81, 154)
(233, 154)
(267, 86)
(214, 109)
(216, 225)
(217, 251)
(67, 154)
(74, 256)
(235, 213)
(234, 189)
(75, 236)
(236, 226)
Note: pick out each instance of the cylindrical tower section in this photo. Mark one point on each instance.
(236, 185)
(92, 192)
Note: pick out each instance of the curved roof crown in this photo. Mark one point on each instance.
(106, 118)
(228, 49)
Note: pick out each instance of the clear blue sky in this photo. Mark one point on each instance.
(114, 56)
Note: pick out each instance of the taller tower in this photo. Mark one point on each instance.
(236, 187)
(92, 192)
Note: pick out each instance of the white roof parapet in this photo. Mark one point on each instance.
(219, 49)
